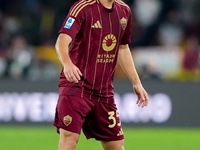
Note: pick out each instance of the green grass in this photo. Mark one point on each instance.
(45, 138)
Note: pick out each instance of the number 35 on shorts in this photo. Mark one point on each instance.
(112, 116)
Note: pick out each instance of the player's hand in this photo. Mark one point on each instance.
(142, 95)
(72, 73)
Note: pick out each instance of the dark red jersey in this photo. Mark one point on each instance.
(97, 33)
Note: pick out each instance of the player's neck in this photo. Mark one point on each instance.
(107, 3)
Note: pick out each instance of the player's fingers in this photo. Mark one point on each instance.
(76, 76)
(143, 96)
(79, 72)
(69, 76)
(73, 77)
(146, 102)
(146, 99)
(143, 104)
(140, 102)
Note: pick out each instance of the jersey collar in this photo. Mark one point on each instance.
(106, 9)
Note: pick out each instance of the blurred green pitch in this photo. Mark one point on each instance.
(46, 138)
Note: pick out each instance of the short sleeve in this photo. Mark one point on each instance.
(126, 39)
(72, 23)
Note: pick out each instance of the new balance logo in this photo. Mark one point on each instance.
(97, 25)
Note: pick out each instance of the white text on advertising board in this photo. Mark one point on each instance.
(40, 107)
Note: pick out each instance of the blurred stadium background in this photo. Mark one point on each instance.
(166, 51)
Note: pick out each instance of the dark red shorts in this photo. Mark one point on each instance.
(98, 120)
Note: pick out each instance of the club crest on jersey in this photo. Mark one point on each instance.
(123, 23)
(67, 120)
(69, 23)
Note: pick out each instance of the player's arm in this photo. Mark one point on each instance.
(72, 73)
(126, 62)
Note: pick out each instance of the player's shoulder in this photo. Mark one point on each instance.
(81, 6)
(123, 5)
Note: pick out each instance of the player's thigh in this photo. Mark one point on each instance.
(103, 123)
(113, 145)
(68, 140)
(71, 112)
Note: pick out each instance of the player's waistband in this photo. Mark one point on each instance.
(85, 95)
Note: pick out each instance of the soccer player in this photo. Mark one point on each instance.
(94, 36)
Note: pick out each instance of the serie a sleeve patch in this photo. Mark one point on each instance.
(69, 23)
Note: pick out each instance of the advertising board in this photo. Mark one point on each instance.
(170, 104)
